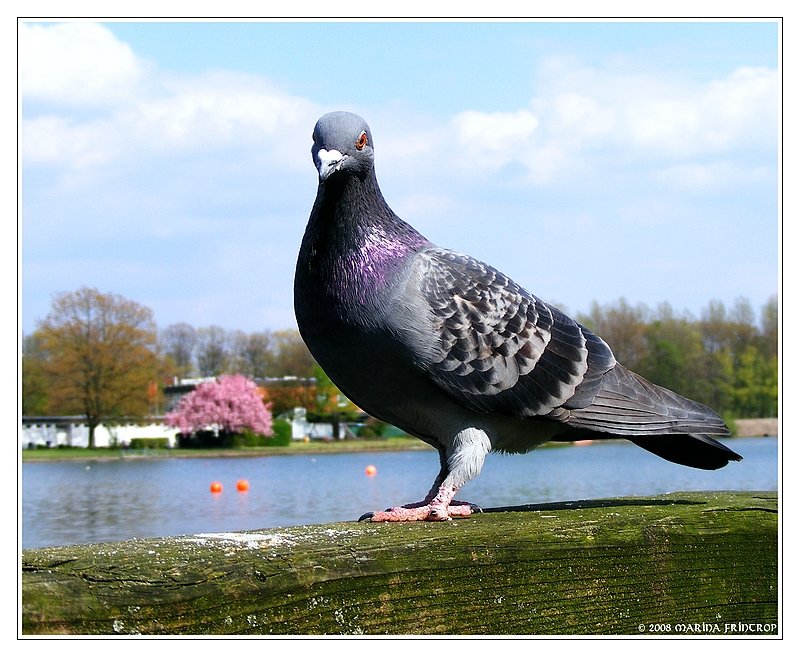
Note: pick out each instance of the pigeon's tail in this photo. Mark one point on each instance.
(677, 429)
(695, 450)
(630, 406)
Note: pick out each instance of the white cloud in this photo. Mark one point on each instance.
(713, 175)
(577, 116)
(721, 115)
(584, 121)
(53, 139)
(201, 120)
(76, 64)
(425, 207)
(492, 139)
(746, 104)
(217, 109)
(84, 64)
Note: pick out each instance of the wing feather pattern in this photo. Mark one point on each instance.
(501, 349)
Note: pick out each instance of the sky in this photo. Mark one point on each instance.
(169, 162)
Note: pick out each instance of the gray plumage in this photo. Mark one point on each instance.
(453, 351)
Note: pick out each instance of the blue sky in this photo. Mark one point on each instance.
(170, 162)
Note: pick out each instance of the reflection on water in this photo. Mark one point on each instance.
(87, 502)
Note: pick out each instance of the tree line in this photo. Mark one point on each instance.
(212, 350)
(726, 359)
(102, 356)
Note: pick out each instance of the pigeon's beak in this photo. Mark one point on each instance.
(328, 162)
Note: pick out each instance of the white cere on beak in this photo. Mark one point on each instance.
(329, 161)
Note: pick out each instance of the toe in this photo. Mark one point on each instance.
(464, 510)
(438, 514)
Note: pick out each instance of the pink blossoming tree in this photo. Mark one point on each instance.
(229, 405)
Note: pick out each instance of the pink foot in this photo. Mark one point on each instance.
(422, 511)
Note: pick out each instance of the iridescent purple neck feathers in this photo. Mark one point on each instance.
(354, 244)
(377, 255)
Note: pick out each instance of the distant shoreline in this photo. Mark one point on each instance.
(749, 428)
(296, 447)
(757, 427)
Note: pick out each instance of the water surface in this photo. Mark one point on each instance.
(72, 502)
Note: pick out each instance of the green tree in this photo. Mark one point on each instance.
(755, 385)
(331, 405)
(742, 363)
(674, 354)
(100, 359)
(769, 326)
(35, 399)
(768, 351)
(724, 359)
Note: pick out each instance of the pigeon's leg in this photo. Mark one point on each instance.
(461, 462)
(464, 460)
(443, 472)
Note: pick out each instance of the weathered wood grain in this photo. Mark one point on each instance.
(685, 563)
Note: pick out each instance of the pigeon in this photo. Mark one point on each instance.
(454, 352)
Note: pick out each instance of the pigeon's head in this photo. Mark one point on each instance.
(342, 145)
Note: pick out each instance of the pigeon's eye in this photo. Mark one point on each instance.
(361, 141)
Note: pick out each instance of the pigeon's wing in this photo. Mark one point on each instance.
(500, 349)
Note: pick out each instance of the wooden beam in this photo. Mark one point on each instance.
(688, 564)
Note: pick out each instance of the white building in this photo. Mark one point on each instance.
(72, 431)
(302, 428)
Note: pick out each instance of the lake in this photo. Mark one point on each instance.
(71, 502)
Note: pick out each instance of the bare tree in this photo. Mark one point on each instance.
(292, 357)
(213, 351)
(622, 326)
(178, 342)
(252, 354)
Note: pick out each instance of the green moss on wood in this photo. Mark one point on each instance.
(673, 564)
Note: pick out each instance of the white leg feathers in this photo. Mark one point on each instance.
(466, 455)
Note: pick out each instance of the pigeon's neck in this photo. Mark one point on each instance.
(355, 242)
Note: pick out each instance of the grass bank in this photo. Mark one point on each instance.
(297, 447)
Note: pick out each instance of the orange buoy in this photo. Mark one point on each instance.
(216, 487)
(243, 485)
(370, 471)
